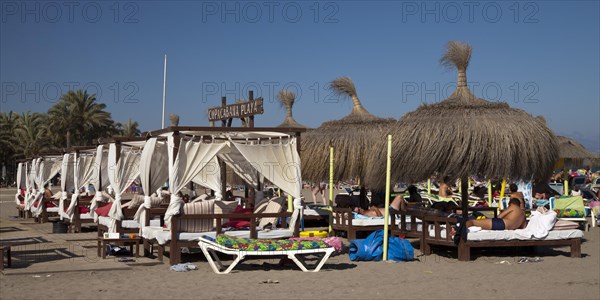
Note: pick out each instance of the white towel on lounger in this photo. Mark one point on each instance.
(539, 225)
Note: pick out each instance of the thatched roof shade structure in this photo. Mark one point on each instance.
(287, 99)
(575, 154)
(353, 138)
(465, 135)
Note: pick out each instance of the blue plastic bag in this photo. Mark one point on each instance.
(371, 248)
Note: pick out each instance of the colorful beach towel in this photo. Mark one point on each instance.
(267, 245)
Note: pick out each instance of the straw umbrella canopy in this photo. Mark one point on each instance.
(287, 99)
(352, 138)
(465, 135)
(574, 153)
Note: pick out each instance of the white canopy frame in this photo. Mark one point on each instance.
(21, 180)
(123, 169)
(48, 167)
(281, 165)
(100, 179)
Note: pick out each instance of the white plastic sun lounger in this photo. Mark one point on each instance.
(209, 248)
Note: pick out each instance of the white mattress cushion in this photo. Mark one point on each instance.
(163, 235)
(52, 209)
(499, 235)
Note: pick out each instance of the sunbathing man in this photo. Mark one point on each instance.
(511, 218)
(445, 192)
(374, 211)
(514, 193)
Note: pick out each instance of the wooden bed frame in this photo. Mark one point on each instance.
(175, 245)
(464, 247)
(76, 222)
(342, 221)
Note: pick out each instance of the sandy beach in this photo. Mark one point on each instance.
(65, 266)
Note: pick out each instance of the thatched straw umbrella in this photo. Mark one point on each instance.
(287, 99)
(465, 135)
(352, 138)
(573, 150)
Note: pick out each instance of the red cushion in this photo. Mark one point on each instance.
(239, 210)
(47, 203)
(103, 211)
(83, 209)
(237, 224)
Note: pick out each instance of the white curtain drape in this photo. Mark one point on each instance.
(30, 181)
(279, 163)
(20, 181)
(210, 177)
(241, 167)
(48, 168)
(100, 179)
(154, 172)
(184, 165)
(66, 182)
(83, 172)
(122, 172)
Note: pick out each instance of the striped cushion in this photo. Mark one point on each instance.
(261, 206)
(275, 205)
(224, 207)
(199, 225)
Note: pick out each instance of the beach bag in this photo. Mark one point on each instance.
(369, 249)
(400, 249)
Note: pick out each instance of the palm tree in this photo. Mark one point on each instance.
(131, 128)
(80, 118)
(31, 134)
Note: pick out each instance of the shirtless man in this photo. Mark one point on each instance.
(511, 218)
(445, 191)
(373, 211)
(514, 193)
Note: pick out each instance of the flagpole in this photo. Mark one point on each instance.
(164, 92)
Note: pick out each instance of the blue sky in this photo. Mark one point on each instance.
(543, 57)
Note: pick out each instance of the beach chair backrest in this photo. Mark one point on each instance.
(568, 207)
(200, 225)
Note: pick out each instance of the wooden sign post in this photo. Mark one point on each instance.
(245, 111)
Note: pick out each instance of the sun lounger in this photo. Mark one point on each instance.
(434, 233)
(570, 208)
(210, 249)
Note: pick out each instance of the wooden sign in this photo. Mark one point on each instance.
(237, 110)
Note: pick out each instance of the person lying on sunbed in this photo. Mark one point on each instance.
(511, 218)
(445, 192)
(374, 211)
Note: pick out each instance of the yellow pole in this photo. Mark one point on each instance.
(290, 203)
(566, 182)
(331, 188)
(489, 184)
(502, 191)
(386, 216)
(460, 188)
(429, 186)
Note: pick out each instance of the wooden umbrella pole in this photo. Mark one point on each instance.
(386, 216)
